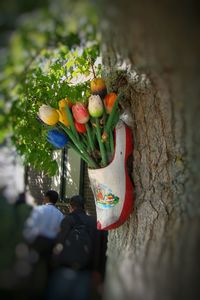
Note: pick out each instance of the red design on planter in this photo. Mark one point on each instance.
(128, 203)
(112, 185)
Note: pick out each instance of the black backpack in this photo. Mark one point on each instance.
(77, 247)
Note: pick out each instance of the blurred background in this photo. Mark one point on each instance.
(42, 45)
(12, 175)
(36, 40)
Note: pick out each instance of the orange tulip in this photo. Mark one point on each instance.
(98, 87)
(109, 101)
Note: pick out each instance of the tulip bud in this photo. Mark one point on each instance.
(109, 101)
(48, 114)
(63, 117)
(95, 106)
(64, 102)
(80, 127)
(80, 113)
(56, 138)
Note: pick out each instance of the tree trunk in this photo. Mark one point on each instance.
(151, 52)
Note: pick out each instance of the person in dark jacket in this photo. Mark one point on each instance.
(76, 209)
(68, 282)
(76, 218)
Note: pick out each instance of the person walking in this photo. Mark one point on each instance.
(73, 255)
(43, 224)
(76, 239)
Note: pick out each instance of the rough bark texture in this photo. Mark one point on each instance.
(151, 51)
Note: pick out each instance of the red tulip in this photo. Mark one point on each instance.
(80, 113)
(80, 127)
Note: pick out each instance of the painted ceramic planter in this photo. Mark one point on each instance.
(112, 186)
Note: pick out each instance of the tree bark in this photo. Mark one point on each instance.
(151, 52)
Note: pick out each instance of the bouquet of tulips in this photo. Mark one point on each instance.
(87, 128)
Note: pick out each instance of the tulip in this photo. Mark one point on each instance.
(63, 117)
(48, 114)
(64, 102)
(101, 144)
(112, 119)
(57, 138)
(81, 116)
(109, 101)
(80, 127)
(98, 87)
(80, 113)
(95, 106)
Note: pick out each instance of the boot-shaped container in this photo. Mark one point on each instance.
(112, 186)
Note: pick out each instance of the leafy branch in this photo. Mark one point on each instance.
(39, 68)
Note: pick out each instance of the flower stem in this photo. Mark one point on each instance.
(112, 116)
(84, 140)
(101, 145)
(107, 146)
(111, 139)
(81, 148)
(92, 66)
(71, 121)
(115, 120)
(71, 145)
(89, 136)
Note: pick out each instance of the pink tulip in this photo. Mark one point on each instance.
(80, 113)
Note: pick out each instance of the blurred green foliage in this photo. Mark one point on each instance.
(49, 58)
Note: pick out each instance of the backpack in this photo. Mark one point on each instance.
(77, 247)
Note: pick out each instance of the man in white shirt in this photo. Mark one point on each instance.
(43, 225)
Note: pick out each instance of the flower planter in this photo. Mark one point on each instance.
(112, 186)
(94, 131)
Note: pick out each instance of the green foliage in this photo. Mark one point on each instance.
(49, 58)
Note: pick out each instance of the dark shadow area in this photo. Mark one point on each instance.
(10, 10)
(26, 272)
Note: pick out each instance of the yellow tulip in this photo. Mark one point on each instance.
(64, 102)
(63, 117)
(48, 114)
